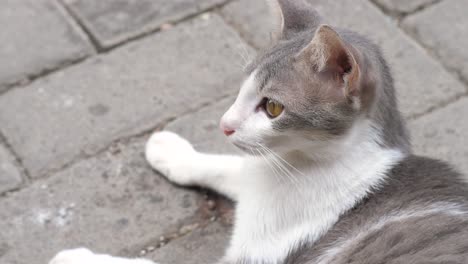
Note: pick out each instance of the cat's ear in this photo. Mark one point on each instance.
(292, 17)
(331, 57)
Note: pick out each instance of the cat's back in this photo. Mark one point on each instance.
(420, 215)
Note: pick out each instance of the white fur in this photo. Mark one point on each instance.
(85, 256)
(271, 219)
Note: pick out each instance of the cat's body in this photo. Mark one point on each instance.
(332, 178)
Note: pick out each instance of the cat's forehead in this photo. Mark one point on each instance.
(277, 60)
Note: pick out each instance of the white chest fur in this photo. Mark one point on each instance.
(275, 214)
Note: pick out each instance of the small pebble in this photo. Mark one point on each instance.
(213, 218)
(206, 16)
(166, 26)
(187, 229)
(143, 252)
(151, 248)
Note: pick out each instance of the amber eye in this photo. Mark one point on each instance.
(273, 109)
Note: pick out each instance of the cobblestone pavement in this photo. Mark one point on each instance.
(83, 83)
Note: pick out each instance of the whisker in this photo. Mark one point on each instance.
(286, 162)
(274, 170)
(282, 168)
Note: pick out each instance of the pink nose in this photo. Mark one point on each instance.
(226, 129)
(228, 132)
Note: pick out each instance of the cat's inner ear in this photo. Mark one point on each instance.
(331, 57)
(292, 17)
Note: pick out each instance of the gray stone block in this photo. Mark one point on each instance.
(36, 36)
(421, 82)
(401, 7)
(253, 20)
(10, 175)
(443, 134)
(443, 29)
(113, 203)
(82, 109)
(112, 22)
(204, 245)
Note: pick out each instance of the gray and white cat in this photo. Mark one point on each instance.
(330, 177)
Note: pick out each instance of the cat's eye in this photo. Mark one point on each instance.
(273, 108)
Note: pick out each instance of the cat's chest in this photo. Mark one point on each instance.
(266, 232)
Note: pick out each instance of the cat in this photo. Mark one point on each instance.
(329, 176)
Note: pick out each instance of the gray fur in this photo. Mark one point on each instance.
(430, 196)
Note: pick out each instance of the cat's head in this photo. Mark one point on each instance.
(309, 88)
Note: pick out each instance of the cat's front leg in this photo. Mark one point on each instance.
(85, 256)
(175, 157)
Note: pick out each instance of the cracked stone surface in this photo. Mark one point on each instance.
(403, 6)
(253, 19)
(204, 245)
(111, 203)
(83, 108)
(10, 175)
(442, 28)
(443, 134)
(26, 53)
(112, 22)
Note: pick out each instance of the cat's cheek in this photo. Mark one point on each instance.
(256, 129)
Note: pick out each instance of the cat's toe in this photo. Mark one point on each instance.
(171, 155)
(73, 256)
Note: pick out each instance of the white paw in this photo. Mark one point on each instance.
(74, 256)
(172, 156)
(85, 256)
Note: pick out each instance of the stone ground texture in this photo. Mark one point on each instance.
(83, 84)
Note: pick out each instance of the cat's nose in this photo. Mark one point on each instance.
(228, 132)
(226, 129)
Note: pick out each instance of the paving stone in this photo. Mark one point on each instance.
(399, 7)
(112, 203)
(112, 22)
(443, 134)
(132, 89)
(443, 29)
(10, 175)
(252, 19)
(36, 36)
(202, 128)
(205, 245)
